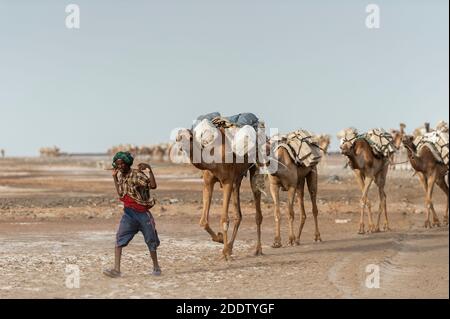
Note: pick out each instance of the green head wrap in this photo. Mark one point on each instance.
(124, 156)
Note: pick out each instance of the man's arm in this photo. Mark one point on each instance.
(151, 178)
(116, 181)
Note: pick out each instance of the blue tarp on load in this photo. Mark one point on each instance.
(240, 119)
(208, 116)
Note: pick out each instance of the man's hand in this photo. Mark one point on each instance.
(114, 172)
(143, 166)
(152, 203)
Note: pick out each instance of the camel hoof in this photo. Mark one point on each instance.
(361, 229)
(225, 258)
(226, 255)
(291, 242)
(297, 242)
(317, 238)
(376, 230)
(218, 238)
(258, 251)
(427, 224)
(277, 244)
(436, 224)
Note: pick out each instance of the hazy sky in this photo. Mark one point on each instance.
(137, 69)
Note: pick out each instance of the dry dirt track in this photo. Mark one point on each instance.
(64, 213)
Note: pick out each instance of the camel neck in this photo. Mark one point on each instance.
(414, 159)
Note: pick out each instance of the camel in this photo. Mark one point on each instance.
(157, 153)
(49, 151)
(133, 149)
(422, 130)
(324, 141)
(397, 135)
(145, 150)
(230, 176)
(400, 160)
(291, 178)
(430, 172)
(367, 168)
(442, 126)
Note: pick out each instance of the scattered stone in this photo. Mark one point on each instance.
(334, 179)
(342, 221)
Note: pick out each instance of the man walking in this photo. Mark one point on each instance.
(133, 187)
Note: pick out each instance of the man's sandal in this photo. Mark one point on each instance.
(156, 272)
(111, 273)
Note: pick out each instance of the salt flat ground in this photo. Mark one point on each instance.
(61, 213)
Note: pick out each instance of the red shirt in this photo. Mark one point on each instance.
(129, 202)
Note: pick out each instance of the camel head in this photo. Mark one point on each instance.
(183, 134)
(408, 141)
(397, 136)
(324, 142)
(272, 143)
(442, 126)
(184, 139)
(347, 137)
(402, 128)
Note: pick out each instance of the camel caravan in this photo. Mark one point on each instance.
(50, 151)
(370, 154)
(157, 152)
(226, 149)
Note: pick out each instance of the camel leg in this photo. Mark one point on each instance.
(208, 187)
(384, 207)
(275, 191)
(367, 183)
(301, 201)
(258, 215)
(311, 181)
(381, 181)
(291, 216)
(384, 204)
(443, 185)
(431, 182)
(424, 181)
(360, 179)
(238, 213)
(224, 220)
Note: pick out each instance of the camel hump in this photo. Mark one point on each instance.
(381, 142)
(437, 142)
(301, 147)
